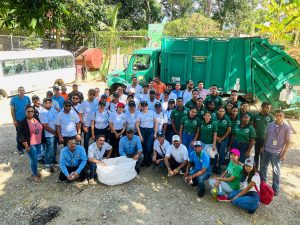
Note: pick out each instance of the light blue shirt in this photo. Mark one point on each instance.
(48, 116)
(128, 147)
(77, 158)
(67, 123)
(199, 162)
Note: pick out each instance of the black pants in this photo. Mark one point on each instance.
(115, 144)
(66, 139)
(259, 142)
(82, 174)
(104, 132)
(174, 164)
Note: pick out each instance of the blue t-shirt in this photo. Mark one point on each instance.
(60, 100)
(19, 105)
(128, 147)
(199, 162)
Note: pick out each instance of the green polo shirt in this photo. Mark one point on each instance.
(216, 99)
(191, 104)
(244, 134)
(235, 122)
(234, 170)
(214, 115)
(200, 114)
(190, 125)
(223, 124)
(207, 132)
(261, 123)
(240, 115)
(177, 116)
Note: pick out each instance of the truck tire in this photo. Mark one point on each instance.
(114, 87)
(3, 94)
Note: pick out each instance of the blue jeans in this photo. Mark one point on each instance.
(225, 187)
(200, 180)
(86, 137)
(93, 173)
(169, 133)
(221, 147)
(248, 201)
(187, 139)
(51, 147)
(33, 156)
(243, 147)
(274, 159)
(148, 136)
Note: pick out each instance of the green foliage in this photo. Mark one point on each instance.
(195, 26)
(32, 42)
(175, 9)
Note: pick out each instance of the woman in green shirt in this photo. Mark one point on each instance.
(211, 108)
(208, 132)
(224, 129)
(189, 129)
(200, 108)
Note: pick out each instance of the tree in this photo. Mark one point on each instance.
(175, 9)
(32, 42)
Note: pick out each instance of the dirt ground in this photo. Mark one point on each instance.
(151, 198)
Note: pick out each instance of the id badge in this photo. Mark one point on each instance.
(274, 142)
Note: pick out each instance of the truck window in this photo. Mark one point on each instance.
(141, 62)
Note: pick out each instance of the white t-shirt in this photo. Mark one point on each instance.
(131, 119)
(48, 116)
(67, 123)
(186, 95)
(151, 104)
(255, 179)
(123, 98)
(164, 147)
(164, 105)
(88, 110)
(161, 119)
(172, 95)
(96, 153)
(179, 154)
(55, 104)
(113, 107)
(101, 119)
(118, 120)
(146, 119)
(138, 89)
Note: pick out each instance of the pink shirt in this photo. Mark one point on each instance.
(35, 129)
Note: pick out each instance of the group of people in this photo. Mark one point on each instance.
(192, 132)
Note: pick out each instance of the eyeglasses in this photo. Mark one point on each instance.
(30, 111)
(75, 98)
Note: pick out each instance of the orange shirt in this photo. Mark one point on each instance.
(159, 88)
(64, 95)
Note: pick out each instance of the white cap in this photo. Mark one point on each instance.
(131, 90)
(197, 143)
(175, 138)
(249, 161)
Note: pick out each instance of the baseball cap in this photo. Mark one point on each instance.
(171, 101)
(120, 104)
(102, 103)
(129, 129)
(131, 104)
(56, 88)
(67, 102)
(157, 104)
(104, 96)
(235, 151)
(35, 97)
(190, 82)
(175, 138)
(115, 95)
(249, 162)
(144, 103)
(152, 91)
(198, 143)
(160, 134)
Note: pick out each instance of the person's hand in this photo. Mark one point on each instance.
(154, 136)
(78, 137)
(214, 148)
(136, 157)
(189, 178)
(70, 177)
(61, 140)
(170, 173)
(247, 154)
(154, 158)
(282, 156)
(175, 172)
(85, 129)
(93, 137)
(27, 148)
(192, 143)
(16, 123)
(75, 175)
(158, 161)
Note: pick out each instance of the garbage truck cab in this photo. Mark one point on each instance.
(144, 64)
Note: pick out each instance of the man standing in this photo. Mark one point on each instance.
(36, 103)
(261, 121)
(277, 142)
(202, 92)
(176, 157)
(144, 95)
(152, 100)
(198, 168)
(213, 97)
(87, 111)
(138, 89)
(177, 90)
(47, 118)
(234, 99)
(75, 90)
(67, 124)
(72, 162)
(17, 109)
(177, 114)
(55, 105)
(193, 102)
(97, 151)
(60, 100)
(122, 96)
(159, 87)
(187, 93)
(131, 147)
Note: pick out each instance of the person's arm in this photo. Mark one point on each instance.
(122, 147)
(166, 161)
(48, 128)
(228, 130)
(78, 135)
(123, 129)
(286, 144)
(13, 115)
(174, 126)
(61, 140)
(62, 164)
(199, 173)
(180, 132)
(83, 161)
(231, 141)
(245, 190)
(155, 127)
(186, 174)
(137, 126)
(197, 134)
(228, 179)
(93, 129)
(214, 141)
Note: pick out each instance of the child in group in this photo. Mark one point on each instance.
(247, 198)
(230, 179)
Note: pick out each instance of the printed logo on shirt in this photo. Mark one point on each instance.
(268, 119)
(77, 156)
(238, 122)
(185, 111)
(209, 126)
(224, 121)
(247, 130)
(195, 122)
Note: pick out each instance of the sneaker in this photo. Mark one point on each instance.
(276, 193)
(49, 169)
(137, 170)
(222, 198)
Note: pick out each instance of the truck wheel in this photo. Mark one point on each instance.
(114, 87)
(3, 94)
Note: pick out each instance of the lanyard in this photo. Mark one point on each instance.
(275, 129)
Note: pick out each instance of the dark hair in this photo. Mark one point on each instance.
(244, 103)
(201, 81)
(76, 94)
(99, 136)
(71, 138)
(206, 112)
(92, 92)
(264, 104)
(234, 91)
(29, 106)
(214, 85)
(244, 174)
(221, 107)
(194, 90)
(179, 98)
(279, 111)
(208, 103)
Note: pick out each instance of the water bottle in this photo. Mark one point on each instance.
(214, 193)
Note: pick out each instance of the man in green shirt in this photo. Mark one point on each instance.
(213, 96)
(244, 109)
(193, 102)
(261, 121)
(177, 114)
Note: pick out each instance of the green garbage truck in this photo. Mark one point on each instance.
(252, 66)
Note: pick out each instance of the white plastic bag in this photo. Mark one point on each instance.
(117, 170)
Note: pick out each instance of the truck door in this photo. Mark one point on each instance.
(176, 67)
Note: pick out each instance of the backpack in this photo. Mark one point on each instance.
(266, 193)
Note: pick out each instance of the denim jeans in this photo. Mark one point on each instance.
(226, 189)
(259, 142)
(221, 147)
(248, 202)
(200, 180)
(51, 147)
(20, 147)
(274, 159)
(93, 172)
(186, 140)
(86, 137)
(243, 147)
(32, 154)
(148, 136)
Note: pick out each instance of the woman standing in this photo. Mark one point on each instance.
(211, 108)
(100, 122)
(243, 137)
(200, 108)
(31, 133)
(117, 125)
(189, 129)
(146, 126)
(208, 133)
(169, 132)
(224, 129)
(131, 115)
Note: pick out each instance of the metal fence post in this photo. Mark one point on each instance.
(12, 42)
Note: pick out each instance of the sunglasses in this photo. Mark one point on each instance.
(75, 98)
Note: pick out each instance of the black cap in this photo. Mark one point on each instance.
(130, 129)
(157, 104)
(47, 100)
(34, 97)
(171, 101)
(166, 92)
(145, 85)
(102, 103)
(160, 134)
(144, 103)
(67, 102)
(152, 91)
(131, 104)
(104, 96)
(56, 88)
